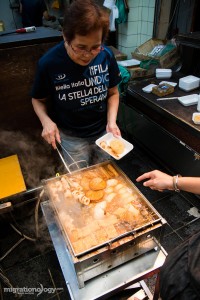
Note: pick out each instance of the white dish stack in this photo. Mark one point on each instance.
(189, 83)
(163, 73)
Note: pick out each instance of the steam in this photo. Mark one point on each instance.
(36, 157)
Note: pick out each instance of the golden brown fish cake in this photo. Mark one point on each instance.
(85, 183)
(117, 146)
(97, 184)
(95, 196)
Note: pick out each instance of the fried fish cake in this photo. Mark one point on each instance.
(117, 146)
(97, 184)
(85, 183)
(95, 196)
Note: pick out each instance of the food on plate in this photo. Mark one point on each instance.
(97, 183)
(95, 196)
(108, 149)
(85, 183)
(80, 196)
(197, 118)
(118, 187)
(163, 89)
(96, 205)
(117, 146)
(110, 197)
(104, 173)
(90, 174)
(103, 145)
(84, 200)
(109, 189)
(111, 231)
(112, 182)
(79, 246)
(99, 212)
(68, 193)
(65, 183)
(112, 170)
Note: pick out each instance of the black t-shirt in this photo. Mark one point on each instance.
(180, 274)
(78, 93)
(32, 12)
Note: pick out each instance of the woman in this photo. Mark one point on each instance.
(160, 181)
(79, 77)
(180, 274)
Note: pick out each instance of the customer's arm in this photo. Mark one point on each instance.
(113, 104)
(157, 180)
(50, 130)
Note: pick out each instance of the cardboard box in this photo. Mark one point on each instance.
(140, 72)
(166, 60)
(118, 55)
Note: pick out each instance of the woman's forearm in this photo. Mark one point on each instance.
(113, 105)
(40, 110)
(50, 130)
(189, 184)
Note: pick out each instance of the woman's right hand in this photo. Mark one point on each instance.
(51, 133)
(157, 180)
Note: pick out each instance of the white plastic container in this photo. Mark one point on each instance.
(198, 104)
(163, 73)
(107, 139)
(189, 83)
(129, 63)
(189, 99)
(196, 118)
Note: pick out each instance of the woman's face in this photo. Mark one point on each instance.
(83, 49)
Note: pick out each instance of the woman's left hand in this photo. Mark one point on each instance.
(114, 129)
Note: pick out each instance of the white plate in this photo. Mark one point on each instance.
(194, 116)
(148, 88)
(189, 99)
(129, 62)
(107, 138)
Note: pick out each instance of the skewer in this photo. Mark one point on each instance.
(170, 98)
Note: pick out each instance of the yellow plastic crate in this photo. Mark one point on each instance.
(11, 178)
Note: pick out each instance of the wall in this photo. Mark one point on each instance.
(10, 17)
(139, 27)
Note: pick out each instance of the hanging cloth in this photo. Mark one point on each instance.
(123, 9)
(114, 13)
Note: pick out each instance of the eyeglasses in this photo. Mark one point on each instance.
(80, 51)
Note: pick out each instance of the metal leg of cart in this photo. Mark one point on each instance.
(111, 282)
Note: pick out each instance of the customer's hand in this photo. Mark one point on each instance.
(51, 133)
(114, 129)
(157, 180)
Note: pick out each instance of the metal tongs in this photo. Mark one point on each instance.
(73, 161)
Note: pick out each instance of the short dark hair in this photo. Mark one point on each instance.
(83, 17)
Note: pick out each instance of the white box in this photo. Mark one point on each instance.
(189, 99)
(107, 139)
(129, 63)
(189, 83)
(196, 118)
(163, 73)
